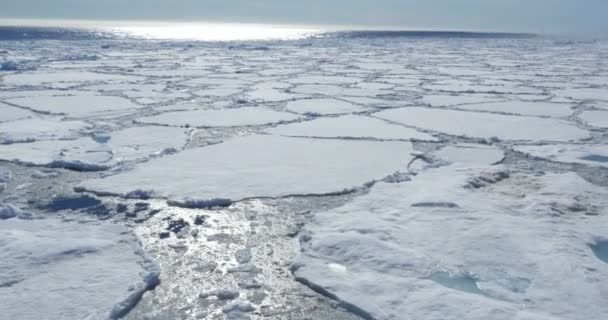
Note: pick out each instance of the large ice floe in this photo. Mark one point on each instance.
(485, 125)
(100, 151)
(350, 126)
(27, 130)
(323, 106)
(258, 166)
(247, 116)
(589, 154)
(75, 106)
(462, 242)
(53, 269)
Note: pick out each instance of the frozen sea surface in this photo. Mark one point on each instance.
(350, 175)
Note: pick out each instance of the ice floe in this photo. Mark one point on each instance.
(584, 93)
(323, 106)
(472, 154)
(75, 106)
(589, 154)
(595, 118)
(350, 126)
(485, 125)
(433, 248)
(537, 108)
(246, 116)
(53, 269)
(9, 113)
(27, 130)
(100, 151)
(258, 166)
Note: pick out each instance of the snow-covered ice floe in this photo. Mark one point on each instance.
(53, 269)
(472, 154)
(485, 125)
(462, 238)
(75, 106)
(99, 152)
(258, 166)
(595, 118)
(247, 116)
(350, 126)
(9, 113)
(323, 106)
(589, 154)
(537, 108)
(28, 130)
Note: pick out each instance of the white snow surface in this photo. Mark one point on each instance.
(485, 125)
(259, 166)
(472, 154)
(350, 126)
(589, 154)
(247, 116)
(433, 248)
(53, 269)
(323, 106)
(27, 130)
(536, 108)
(99, 152)
(75, 106)
(9, 113)
(595, 118)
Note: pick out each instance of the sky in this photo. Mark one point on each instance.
(544, 16)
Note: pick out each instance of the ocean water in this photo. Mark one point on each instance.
(12, 31)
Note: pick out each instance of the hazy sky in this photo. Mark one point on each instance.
(570, 16)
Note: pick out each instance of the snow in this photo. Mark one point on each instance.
(53, 269)
(589, 154)
(259, 166)
(323, 106)
(595, 118)
(471, 154)
(350, 126)
(246, 116)
(75, 106)
(99, 152)
(485, 125)
(56, 78)
(40, 129)
(583, 93)
(536, 108)
(433, 248)
(8, 113)
(454, 100)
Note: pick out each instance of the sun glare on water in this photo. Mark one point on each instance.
(213, 32)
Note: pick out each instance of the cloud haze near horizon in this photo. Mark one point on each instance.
(553, 16)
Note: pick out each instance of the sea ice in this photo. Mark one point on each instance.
(537, 108)
(323, 106)
(246, 116)
(8, 113)
(584, 93)
(75, 106)
(258, 166)
(589, 154)
(485, 125)
(99, 152)
(456, 99)
(27, 130)
(350, 126)
(472, 154)
(432, 248)
(55, 78)
(53, 269)
(595, 118)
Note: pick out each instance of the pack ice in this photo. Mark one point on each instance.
(258, 166)
(53, 269)
(462, 238)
